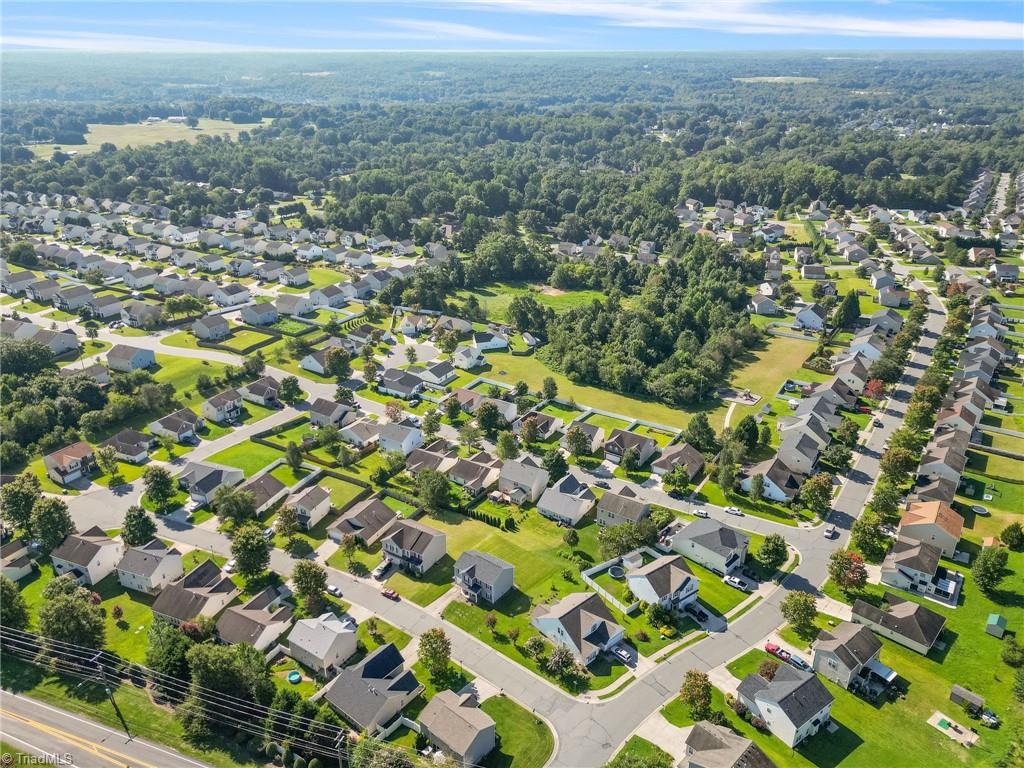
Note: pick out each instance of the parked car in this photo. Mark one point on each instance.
(602, 484)
(622, 654)
(777, 651)
(736, 583)
(334, 589)
(390, 594)
(676, 495)
(701, 513)
(734, 511)
(878, 423)
(268, 533)
(831, 532)
(696, 611)
(796, 661)
(381, 570)
(230, 565)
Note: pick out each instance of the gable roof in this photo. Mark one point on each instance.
(455, 720)
(360, 692)
(577, 613)
(366, 519)
(146, 559)
(937, 512)
(81, 548)
(184, 599)
(666, 575)
(621, 505)
(317, 635)
(854, 644)
(714, 536)
(800, 695)
(917, 555)
(903, 617)
(481, 565)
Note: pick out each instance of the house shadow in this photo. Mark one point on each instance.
(948, 639)
(829, 750)
(514, 603)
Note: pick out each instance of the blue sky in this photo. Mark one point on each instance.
(491, 25)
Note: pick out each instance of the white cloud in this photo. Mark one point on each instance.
(757, 17)
(114, 43)
(447, 31)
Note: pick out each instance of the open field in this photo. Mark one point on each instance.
(495, 298)
(141, 134)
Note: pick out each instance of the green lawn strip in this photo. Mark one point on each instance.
(642, 752)
(660, 436)
(280, 671)
(247, 456)
(713, 494)
(401, 507)
(383, 634)
(525, 740)
(363, 561)
(287, 475)
(88, 349)
(803, 641)
(319, 277)
(181, 340)
(144, 718)
(243, 339)
(715, 593)
(195, 557)
(129, 473)
(425, 589)
(559, 411)
(403, 737)
(617, 689)
(179, 499)
(1006, 497)
(183, 373)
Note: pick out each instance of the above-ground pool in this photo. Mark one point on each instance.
(616, 571)
(294, 678)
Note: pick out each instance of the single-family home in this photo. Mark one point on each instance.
(204, 591)
(138, 314)
(567, 501)
(903, 621)
(16, 559)
(333, 295)
(130, 445)
(72, 298)
(367, 521)
(794, 704)
(617, 508)
(488, 340)
(620, 441)
(202, 480)
(260, 313)
(762, 305)
(933, 522)
(404, 438)
(140, 278)
(666, 581)
(798, 451)
(581, 622)
(360, 433)
(223, 408)
(399, 383)
(311, 505)
(523, 481)
(293, 304)
(259, 622)
(812, 317)
(263, 391)
(150, 567)
(369, 695)
(466, 358)
(323, 644)
(848, 656)
(913, 566)
(70, 463)
(294, 276)
(231, 295)
(594, 435)
(211, 328)
(679, 455)
(482, 577)
(413, 546)
(87, 557)
(717, 547)
(780, 482)
(323, 412)
(182, 426)
(717, 746)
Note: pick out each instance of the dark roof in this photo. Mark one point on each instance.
(144, 560)
(245, 623)
(903, 617)
(184, 599)
(264, 488)
(481, 565)
(800, 695)
(129, 441)
(80, 548)
(716, 746)
(360, 692)
(714, 536)
(226, 397)
(366, 519)
(854, 644)
(623, 506)
(913, 554)
(666, 575)
(408, 535)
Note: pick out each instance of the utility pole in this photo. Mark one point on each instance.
(110, 693)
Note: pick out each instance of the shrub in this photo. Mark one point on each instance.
(642, 636)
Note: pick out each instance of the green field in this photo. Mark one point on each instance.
(183, 372)
(495, 298)
(526, 742)
(247, 456)
(141, 134)
(319, 277)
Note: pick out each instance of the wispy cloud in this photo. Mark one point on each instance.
(449, 32)
(115, 43)
(758, 17)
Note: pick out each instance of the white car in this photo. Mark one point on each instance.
(334, 589)
(229, 566)
(701, 513)
(736, 583)
(830, 532)
(734, 511)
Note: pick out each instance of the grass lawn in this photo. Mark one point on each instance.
(342, 492)
(660, 436)
(305, 688)
(319, 277)
(127, 637)
(403, 737)
(559, 411)
(526, 741)
(48, 486)
(179, 499)
(713, 494)
(425, 589)
(183, 372)
(129, 473)
(382, 634)
(508, 369)
(1005, 496)
(763, 371)
(288, 325)
(803, 641)
(363, 561)
(88, 349)
(715, 593)
(607, 423)
(640, 751)
(495, 298)
(287, 475)
(247, 456)
(243, 339)
(195, 557)
(129, 331)
(182, 340)
(144, 718)
(143, 134)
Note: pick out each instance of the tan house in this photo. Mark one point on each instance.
(933, 522)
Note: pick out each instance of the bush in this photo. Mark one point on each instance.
(1013, 652)
(642, 636)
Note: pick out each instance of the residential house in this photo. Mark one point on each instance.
(794, 704)
(42, 290)
(72, 298)
(455, 725)
(489, 340)
(105, 307)
(223, 408)
(853, 372)
(70, 463)
(945, 456)
(679, 455)
(261, 313)
(231, 295)
(438, 374)
(621, 441)
(265, 490)
(370, 694)
(869, 343)
(311, 505)
(16, 559)
(617, 508)
(361, 433)
(293, 304)
(140, 278)
(813, 272)
(263, 391)
(367, 521)
(87, 557)
(211, 328)
(259, 622)
(933, 522)
(567, 501)
(913, 566)
(593, 433)
(323, 644)
(414, 324)
(294, 276)
(182, 426)
(546, 424)
(399, 383)
(780, 482)
(717, 547)
(762, 305)
(413, 546)
(903, 621)
(718, 746)
(130, 446)
(202, 480)
(812, 318)
(204, 591)
(150, 567)
(482, 577)
(666, 581)
(138, 314)
(333, 295)
(323, 412)
(402, 437)
(848, 654)
(522, 481)
(581, 622)
(466, 358)
(798, 451)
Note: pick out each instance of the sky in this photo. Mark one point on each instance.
(513, 25)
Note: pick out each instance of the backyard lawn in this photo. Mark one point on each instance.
(88, 349)
(319, 277)
(639, 751)
(526, 742)
(183, 372)
(425, 589)
(247, 456)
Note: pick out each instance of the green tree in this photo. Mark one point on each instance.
(17, 498)
(816, 493)
(847, 570)
(886, 500)
(338, 364)
(138, 527)
(488, 417)
(800, 611)
(700, 435)
(435, 652)
(287, 523)
(549, 388)
(411, 356)
(897, 462)
(1013, 536)
(1018, 685)
(867, 534)
(507, 447)
(290, 391)
(310, 580)
(847, 432)
(989, 569)
(233, 504)
(528, 431)
(159, 486)
(773, 551)
(469, 436)
(432, 490)
(452, 409)
(726, 475)
(747, 432)
(250, 550)
(630, 461)
(13, 608)
(848, 312)
(764, 436)
(576, 441)
(571, 538)
(431, 425)
(166, 649)
(555, 464)
(71, 617)
(293, 456)
(695, 693)
(51, 522)
(757, 486)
